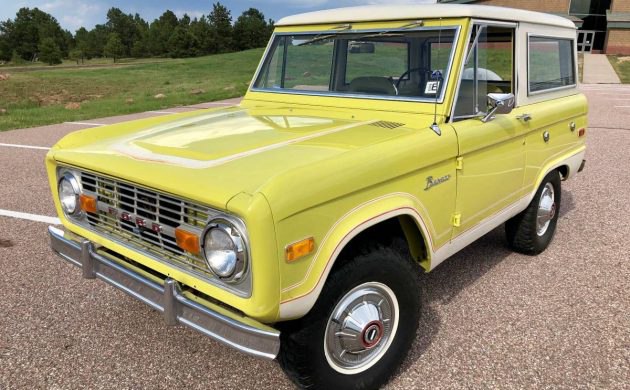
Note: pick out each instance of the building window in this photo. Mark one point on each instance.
(551, 64)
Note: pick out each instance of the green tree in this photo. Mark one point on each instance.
(125, 26)
(139, 49)
(29, 28)
(114, 47)
(81, 42)
(5, 49)
(16, 59)
(96, 40)
(250, 30)
(49, 52)
(206, 36)
(160, 32)
(76, 55)
(221, 23)
(182, 44)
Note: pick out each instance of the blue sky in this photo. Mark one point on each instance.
(73, 14)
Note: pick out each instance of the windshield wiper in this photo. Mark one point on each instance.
(379, 35)
(320, 37)
(393, 32)
(317, 39)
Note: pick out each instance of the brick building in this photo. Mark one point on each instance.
(603, 25)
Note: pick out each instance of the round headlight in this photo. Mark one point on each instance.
(224, 249)
(69, 191)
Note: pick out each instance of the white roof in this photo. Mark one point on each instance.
(371, 13)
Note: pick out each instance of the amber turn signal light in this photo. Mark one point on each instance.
(299, 249)
(88, 204)
(187, 241)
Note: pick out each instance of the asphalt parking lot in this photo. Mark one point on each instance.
(493, 319)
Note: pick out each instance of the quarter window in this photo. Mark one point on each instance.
(551, 63)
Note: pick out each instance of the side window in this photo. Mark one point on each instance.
(551, 63)
(489, 68)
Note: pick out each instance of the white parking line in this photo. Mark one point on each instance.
(30, 217)
(25, 146)
(622, 106)
(86, 123)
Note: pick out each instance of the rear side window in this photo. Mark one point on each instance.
(551, 64)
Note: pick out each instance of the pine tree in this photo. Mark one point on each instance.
(182, 43)
(114, 47)
(221, 23)
(76, 55)
(49, 52)
(250, 30)
(16, 59)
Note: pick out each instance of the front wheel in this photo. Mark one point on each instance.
(361, 327)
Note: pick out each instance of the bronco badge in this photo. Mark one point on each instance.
(431, 182)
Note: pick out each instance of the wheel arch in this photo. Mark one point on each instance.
(403, 211)
(567, 165)
(401, 231)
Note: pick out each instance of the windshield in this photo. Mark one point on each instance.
(397, 64)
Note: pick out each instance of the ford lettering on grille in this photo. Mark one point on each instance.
(146, 219)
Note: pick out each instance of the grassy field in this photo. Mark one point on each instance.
(28, 66)
(621, 64)
(69, 93)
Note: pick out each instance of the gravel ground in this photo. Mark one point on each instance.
(492, 318)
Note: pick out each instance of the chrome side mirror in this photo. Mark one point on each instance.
(498, 103)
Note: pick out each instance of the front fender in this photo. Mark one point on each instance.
(297, 299)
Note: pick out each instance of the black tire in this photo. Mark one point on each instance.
(302, 355)
(521, 231)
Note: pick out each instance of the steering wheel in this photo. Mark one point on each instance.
(402, 76)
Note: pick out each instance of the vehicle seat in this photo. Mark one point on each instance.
(375, 85)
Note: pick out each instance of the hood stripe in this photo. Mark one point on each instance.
(139, 153)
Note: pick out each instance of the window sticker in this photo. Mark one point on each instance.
(431, 87)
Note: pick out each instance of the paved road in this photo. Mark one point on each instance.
(493, 319)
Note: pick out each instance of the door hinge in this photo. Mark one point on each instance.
(459, 163)
(456, 220)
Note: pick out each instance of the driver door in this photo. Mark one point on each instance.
(491, 155)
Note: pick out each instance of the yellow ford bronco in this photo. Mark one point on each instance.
(373, 143)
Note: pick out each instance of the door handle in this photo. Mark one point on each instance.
(524, 117)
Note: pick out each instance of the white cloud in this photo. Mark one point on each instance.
(72, 14)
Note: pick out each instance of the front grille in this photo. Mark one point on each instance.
(146, 219)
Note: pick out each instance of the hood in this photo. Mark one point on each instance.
(210, 156)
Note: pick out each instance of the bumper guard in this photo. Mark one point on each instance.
(262, 342)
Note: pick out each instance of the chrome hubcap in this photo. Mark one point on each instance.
(361, 328)
(546, 209)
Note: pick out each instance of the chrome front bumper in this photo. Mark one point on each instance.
(168, 299)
